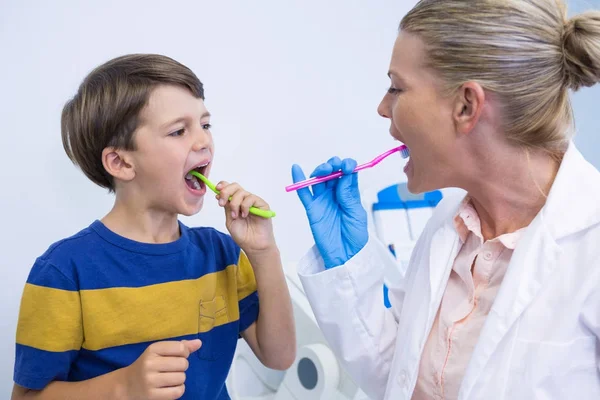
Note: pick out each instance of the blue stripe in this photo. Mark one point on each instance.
(89, 261)
(35, 368)
(248, 311)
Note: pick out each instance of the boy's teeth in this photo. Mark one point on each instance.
(189, 176)
(196, 185)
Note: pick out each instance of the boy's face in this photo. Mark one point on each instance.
(173, 138)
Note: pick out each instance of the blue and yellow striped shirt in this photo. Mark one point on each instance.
(95, 301)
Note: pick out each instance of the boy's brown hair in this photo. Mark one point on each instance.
(105, 111)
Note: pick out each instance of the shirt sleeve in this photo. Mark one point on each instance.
(246, 291)
(49, 329)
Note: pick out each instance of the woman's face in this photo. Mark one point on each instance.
(420, 117)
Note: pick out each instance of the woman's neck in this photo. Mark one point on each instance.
(510, 188)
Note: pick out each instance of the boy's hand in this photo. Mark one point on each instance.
(159, 373)
(251, 233)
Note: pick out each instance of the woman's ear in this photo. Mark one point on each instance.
(118, 163)
(468, 106)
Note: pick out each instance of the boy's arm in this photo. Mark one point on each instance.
(158, 374)
(272, 337)
(109, 386)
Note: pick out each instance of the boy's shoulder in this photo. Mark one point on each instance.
(85, 253)
(71, 245)
(61, 258)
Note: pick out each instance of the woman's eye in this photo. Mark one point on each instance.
(177, 133)
(206, 126)
(393, 90)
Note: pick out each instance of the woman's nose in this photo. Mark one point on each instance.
(383, 108)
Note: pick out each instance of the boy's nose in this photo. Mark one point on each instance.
(202, 140)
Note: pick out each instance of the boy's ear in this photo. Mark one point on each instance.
(468, 107)
(118, 163)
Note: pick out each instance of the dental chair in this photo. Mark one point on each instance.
(397, 217)
(315, 374)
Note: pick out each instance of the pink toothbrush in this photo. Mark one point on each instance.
(313, 181)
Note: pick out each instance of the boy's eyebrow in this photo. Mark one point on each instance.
(182, 119)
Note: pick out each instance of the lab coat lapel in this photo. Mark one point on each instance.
(532, 263)
(445, 245)
(571, 207)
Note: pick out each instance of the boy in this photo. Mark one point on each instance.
(137, 304)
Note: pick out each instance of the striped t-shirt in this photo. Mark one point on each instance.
(95, 301)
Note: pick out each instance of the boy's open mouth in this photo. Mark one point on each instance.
(192, 181)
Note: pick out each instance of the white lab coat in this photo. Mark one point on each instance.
(541, 339)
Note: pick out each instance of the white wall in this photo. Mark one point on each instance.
(286, 81)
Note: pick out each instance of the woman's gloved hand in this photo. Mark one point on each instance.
(337, 218)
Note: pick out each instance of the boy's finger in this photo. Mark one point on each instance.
(173, 392)
(236, 201)
(173, 364)
(192, 345)
(250, 201)
(169, 379)
(221, 185)
(227, 191)
(170, 349)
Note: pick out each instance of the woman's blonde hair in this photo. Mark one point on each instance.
(525, 51)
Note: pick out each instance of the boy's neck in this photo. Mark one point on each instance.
(142, 225)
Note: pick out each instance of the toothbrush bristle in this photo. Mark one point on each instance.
(405, 153)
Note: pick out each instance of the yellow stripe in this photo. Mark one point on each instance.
(118, 316)
(50, 319)
(246, 282)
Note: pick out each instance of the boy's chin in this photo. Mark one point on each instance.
(190, 211)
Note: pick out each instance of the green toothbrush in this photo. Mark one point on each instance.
(253, 210)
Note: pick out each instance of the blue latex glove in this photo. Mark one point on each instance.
(337, 218)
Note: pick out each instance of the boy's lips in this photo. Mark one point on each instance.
(200, 167)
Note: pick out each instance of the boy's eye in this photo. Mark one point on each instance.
(206, 126)
(393, 90)
(177, 133)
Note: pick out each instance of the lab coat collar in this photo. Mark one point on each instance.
(572, 204)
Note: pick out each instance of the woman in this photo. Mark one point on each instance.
(501, 299)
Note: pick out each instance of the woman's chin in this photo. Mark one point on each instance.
(412, 186)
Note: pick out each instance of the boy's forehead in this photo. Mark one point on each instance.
(168, 103)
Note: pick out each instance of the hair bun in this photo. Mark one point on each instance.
(581, 43)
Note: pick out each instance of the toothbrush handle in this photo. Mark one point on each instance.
(321, 179)
(262, 213)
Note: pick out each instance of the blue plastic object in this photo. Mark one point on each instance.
(397, 197)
